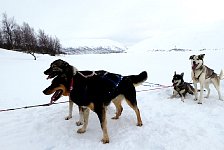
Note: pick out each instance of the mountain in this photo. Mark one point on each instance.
(93, 46)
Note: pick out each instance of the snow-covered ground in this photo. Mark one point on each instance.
(167, 124)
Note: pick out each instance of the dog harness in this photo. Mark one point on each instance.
(114, 79)
(183, 86)
(209, 72)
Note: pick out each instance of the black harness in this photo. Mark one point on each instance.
(203, 68)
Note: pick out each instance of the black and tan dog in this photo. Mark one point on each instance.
(95, 92)
(180, 87)
(204, 76)
(61, 67)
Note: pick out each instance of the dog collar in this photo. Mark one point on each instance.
(71, 84)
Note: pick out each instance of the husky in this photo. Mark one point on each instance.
(204, 76)
(180, 87)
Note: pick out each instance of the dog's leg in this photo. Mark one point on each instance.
(208, 90)
(70, 108)
(81, 116)
(137, 112)
(201, 92)
(174, 94)
(182, 97)
(119, 108)
(195, 91)
(101, 113)
(86, 118)
(216, 84)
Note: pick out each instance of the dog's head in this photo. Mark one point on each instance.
(177, 79)
(59, 86)
(196, 61)
(57, 67)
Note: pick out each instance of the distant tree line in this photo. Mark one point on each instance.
(24, 38)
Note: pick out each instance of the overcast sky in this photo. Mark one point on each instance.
(125, 21)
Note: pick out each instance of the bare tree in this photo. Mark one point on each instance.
(29, 42)
(8, 25)
(42, 41)
(57, 46)
(17, 38)
(1, 39)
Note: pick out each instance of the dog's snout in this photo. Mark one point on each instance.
(45, 92)
(46, 72)
(194, 62)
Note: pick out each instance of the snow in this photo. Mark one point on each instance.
(208, 36)
(168, 124)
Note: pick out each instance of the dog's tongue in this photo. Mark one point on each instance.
(56, 96)
(194, 66)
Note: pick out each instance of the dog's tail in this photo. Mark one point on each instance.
(138, 79)
(221, 75)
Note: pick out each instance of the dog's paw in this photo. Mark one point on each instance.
(195, 99)
(139, 124)
(182, 99)
(115, 118)
(81, 130)
(79, 123)
(105, 140)
(68, 117)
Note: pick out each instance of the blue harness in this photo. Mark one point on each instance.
(113, 78)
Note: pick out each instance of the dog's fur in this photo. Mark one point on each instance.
(204, 76)
(180, 87)
(94, 92)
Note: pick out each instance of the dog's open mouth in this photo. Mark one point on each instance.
(194, 66)
(49, 77)
(174, 83)
(57, 94)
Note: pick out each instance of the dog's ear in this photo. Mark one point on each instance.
(65, 63)
(201, 56)
(182, 74)
(192, 56)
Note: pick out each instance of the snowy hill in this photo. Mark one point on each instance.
(168, 124)
(93, 46)
(208, 36)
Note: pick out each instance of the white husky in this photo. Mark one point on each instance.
(204, 76)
